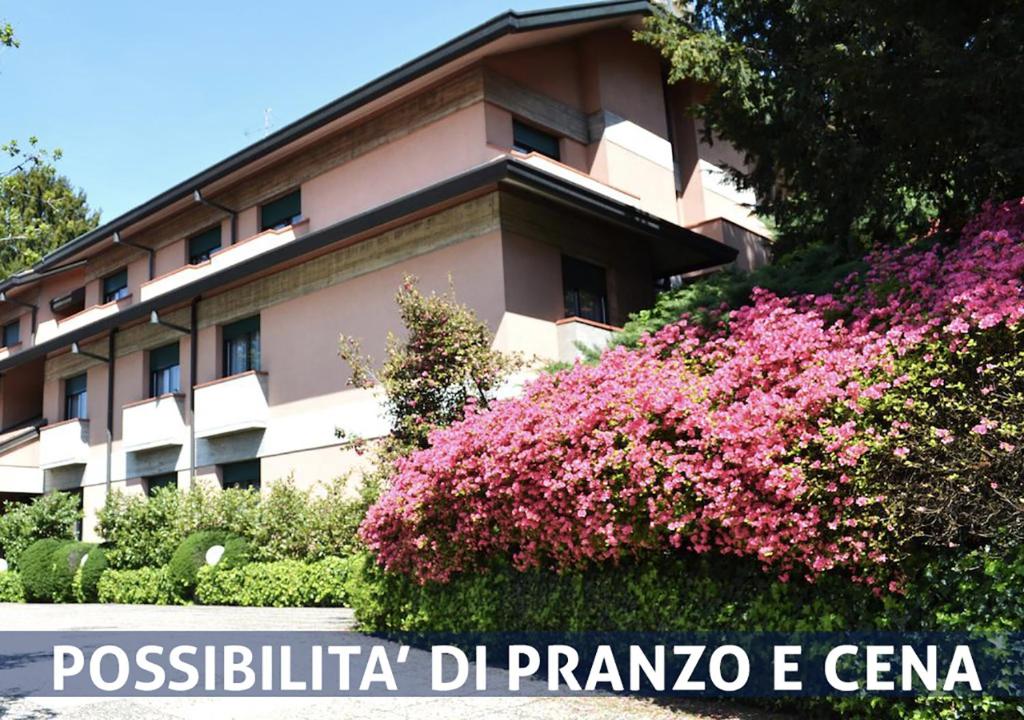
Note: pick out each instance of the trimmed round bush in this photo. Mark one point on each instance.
(65, 564)
(37, 569)
(88, 578)
(191, 555)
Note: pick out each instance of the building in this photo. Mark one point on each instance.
(539, 159)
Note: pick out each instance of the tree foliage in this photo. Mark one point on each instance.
(444, 362)
(39, 209)
(860, 121)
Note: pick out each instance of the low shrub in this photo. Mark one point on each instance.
(86, 583)
(142, 586)
(191, 555)
(37, 569)
(286, 583)
(11, 589)
(285, 523)
(65, 564)
(976, 591)
(48, 516)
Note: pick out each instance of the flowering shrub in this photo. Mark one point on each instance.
(762, 432)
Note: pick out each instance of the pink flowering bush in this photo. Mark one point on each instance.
(771, 432)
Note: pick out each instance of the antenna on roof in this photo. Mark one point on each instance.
(268, 124)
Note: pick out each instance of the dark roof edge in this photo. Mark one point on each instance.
(507, 23)
(501, 172)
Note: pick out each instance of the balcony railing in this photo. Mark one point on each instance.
(63, 444)
(232, 405)
(154, 423)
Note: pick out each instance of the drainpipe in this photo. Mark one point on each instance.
(193, 362)
(110, 407)
(198, 197)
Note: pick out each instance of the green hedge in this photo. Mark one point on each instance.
(37, 569)
(11, 589)
(974, 591)
(688, 592)
(287, 583)
(191, 555)
(22, 523)
(87, 580)
(143, 586)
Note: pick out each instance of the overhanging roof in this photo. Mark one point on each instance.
(507, 23)
(675, 248)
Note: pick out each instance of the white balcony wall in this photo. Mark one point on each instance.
(154, 423)
(63, 444)
(232, 405)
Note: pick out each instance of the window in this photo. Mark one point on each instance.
(115, 287)
(164, 370)
(527, 139)
(585, 290)
(202, 245)
(242, 475)
(76, 399)
(12, 333)
(282, 212)
(166, 480)
(241, 346)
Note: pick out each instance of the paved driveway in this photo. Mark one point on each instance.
(137, 617)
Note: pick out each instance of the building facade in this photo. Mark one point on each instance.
(539, 161)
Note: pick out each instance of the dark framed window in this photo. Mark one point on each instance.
(282, 212)
(527, 139)
(241, 346)
(76, 398)
(12, 333)
(115, 287)
(203, 245)
(586, 291)
(164, 370)
(241, 475)
(156, 482)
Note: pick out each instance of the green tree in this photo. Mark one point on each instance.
(39, 209)
(444, 361)
(861, 121)
(7, 38)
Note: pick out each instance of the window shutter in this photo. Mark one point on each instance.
(281, 211)
(164, 357)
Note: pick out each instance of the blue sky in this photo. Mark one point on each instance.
(141, 95)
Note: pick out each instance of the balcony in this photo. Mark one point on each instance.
(574, 332)
(154, 423)
(224, 258)
(232, 405)
(64, 444)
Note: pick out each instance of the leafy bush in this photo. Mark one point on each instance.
(65, 563)
(284, 523)
(11, 589)
(815, 269)
(48, 516)
(87, 579)
(142, 586)
(191, 555)
(37, 569)
(286, 583)
(687, 592)
(776, 431)
(145, 532)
